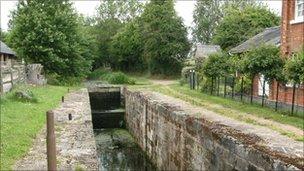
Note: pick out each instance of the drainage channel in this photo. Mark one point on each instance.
(116, 147)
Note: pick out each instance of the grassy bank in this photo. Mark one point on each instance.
(21, 121)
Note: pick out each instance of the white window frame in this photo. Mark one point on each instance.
(297, 19)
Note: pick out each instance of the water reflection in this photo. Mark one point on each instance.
(118, 151)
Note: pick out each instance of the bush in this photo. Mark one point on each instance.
(55, 79)
(119, 78)
(98, 73)
(294, 68)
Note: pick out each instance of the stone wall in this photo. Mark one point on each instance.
(182, 138)
(9, 76)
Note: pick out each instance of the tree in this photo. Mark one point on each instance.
(47, 32)
(166, 44)
(294, 68)
(127, 48)
(208, 14)
(216, 65)
(112, 16)
(3, 36)
(239, 24)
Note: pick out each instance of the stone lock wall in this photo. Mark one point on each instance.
(175, 140)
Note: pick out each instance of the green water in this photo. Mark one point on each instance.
(117, 150)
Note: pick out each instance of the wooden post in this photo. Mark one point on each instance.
(212, 85)
(233, 82)
(218, 86)
(51, 141)
(251, 90)
(242, 88)
(263, 96)
(12, 77)
(225, 86)
(277, 97)
(293, 98)
(62, 99)
(190, 79)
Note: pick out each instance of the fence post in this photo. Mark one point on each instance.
(218, 85)
(12, 77)
(51, 141)
(251, 90)
(242, 88)
(225, 80)
(197, 82)
(293, 98)
(233, 82)
(263, 96)
(212, 86)
(277, 97)
(194, 81)
(190, 79)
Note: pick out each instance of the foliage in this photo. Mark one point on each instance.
(55, 79)
(21, 122)
(47, 32)
(119, 78)
(246, 85)
(206, 16)
(239, 24)
(3, 36)
(216, 65)
(294, 68)
(263, 60)
(127, 48)
(112, 16)
(25, 96)
(166, 44)
(111, 77)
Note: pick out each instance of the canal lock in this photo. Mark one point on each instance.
(116, 147)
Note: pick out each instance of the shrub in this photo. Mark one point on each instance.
(216, 65)
(294, 68)
(98, 73)
(119, 78)
(55, 79)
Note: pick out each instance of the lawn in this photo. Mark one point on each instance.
(21, 121)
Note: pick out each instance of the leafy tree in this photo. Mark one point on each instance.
(208, 14)
(294, 68)
(127, 48)
(239, 24)
(263, 60)
(112, 15)
(166, 44)
(3, 36)
(216, 65)
(47, 32)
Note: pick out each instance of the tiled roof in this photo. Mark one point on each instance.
(206, 50)
(270, 36)
(5, 49)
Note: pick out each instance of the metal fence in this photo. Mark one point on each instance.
(242, 89)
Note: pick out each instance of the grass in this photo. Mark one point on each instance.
(21, 121)
(231, 108)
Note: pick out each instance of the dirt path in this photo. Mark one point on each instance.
(163, 82)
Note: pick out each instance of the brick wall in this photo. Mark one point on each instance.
(176, 140)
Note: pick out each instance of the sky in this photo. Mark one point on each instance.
(184, 9)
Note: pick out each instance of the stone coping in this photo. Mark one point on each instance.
(75, 143)
(262, 139)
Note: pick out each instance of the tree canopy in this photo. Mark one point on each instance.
(263, 60)
(166, 44)
(216, 65)
(294, 68)
(48, 32)
(240, 24)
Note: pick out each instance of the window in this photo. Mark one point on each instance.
(299, 12)
(299, 8)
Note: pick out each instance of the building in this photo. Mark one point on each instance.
(290, 38)
(7, 55)
(203, 51)
(292, 41)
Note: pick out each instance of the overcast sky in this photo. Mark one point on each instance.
(184, 9)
